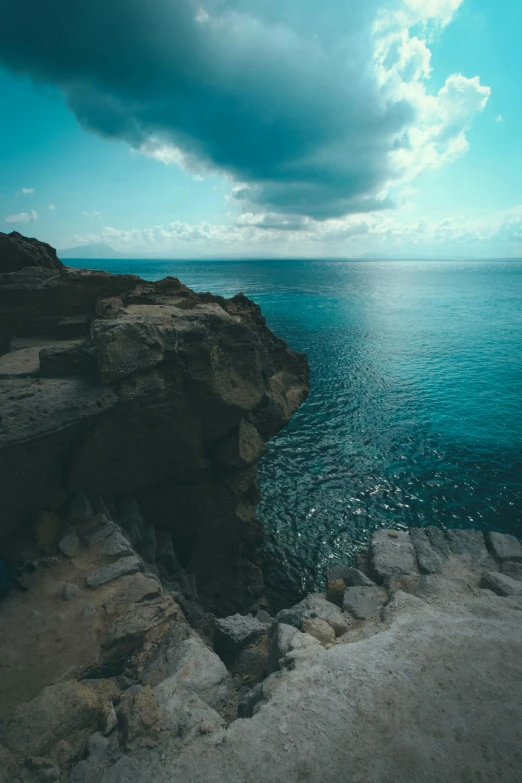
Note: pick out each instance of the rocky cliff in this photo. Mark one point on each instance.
(119, 387)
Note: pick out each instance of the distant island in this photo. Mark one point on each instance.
(89, 251)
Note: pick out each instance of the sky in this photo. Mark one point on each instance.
(264, 128)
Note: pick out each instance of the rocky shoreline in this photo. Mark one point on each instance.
(132, 418)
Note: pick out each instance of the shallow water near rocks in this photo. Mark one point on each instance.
(415, 411)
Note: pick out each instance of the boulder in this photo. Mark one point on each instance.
(117, 545)
(129, 590)
(99, 529)
(281, 641)
(364, 603)
(18, 252)
(500, 584)
(140, 718)
(185, 715)
(58, 713)
(123, 567)
(392, 554)
(471, 546)
(315, 605)
(234, 632)
(341, 577)
(69, 545)
(320, 630)
(512, 569)
(428, 558)
(191, 666)
(505, 547)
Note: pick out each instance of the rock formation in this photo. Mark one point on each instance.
(118, 387)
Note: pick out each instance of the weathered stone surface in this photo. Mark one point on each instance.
(281, 641)
(46, 770)
(140, 718)
(130, 590)
(428, 585)
(304, 649)
(191, 667)
(470, 545)
(18, 252)
(169, 396)
(123, 567)
(438, 541)
(252, 700)
(69, 545)
(117, 546)
(101, 530)
(512, 569)
(392, 554)
(185, 715)
(501, 584)
(315, 605)
(364, 603)
(341, 577)
(242, 448)
(70, 591)
(505, 547)
(130, 628)
(234, 632)
(108, 718)
(320, 630)
(429, 560)
(58, 713)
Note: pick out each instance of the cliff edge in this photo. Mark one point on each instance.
(116, 387)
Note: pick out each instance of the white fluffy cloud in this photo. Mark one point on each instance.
(27, 191)
(22, 217)
(353, 235)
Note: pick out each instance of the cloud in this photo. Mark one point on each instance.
(272, 234)
(22, 217)
(27, 191)
(94, 213)
(51, 206)
(318, 109)
(499, 118)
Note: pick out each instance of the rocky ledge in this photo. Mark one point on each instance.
(383, 677)
(116, 387)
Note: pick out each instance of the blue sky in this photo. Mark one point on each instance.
(236, 128)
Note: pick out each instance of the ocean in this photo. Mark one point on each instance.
(415, 412)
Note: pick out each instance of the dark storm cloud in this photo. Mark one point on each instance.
(279, 94)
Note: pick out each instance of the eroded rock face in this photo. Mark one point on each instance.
(113, 386)
(17, 252)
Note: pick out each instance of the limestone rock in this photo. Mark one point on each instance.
(45, 769)
(130, 628)
(501, 584)
(438, 541)
(58, 713)
(315, 605)
(117, 545)
(140, 718)
(123, 567)
(470, 545)
(320, 630)
(429, 560)
(512, 569)
(352, 577)
(505, 547)
(108, 718)
(184, 714)
(69, 545)
(18, 252)
(392, 555)
(250, 701)
(234, 632)
(131, 589)
(191, 667)
(242, 448)
(281, 641)
(364, 603)
(100, 529)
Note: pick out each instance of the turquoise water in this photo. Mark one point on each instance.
(415, 412)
